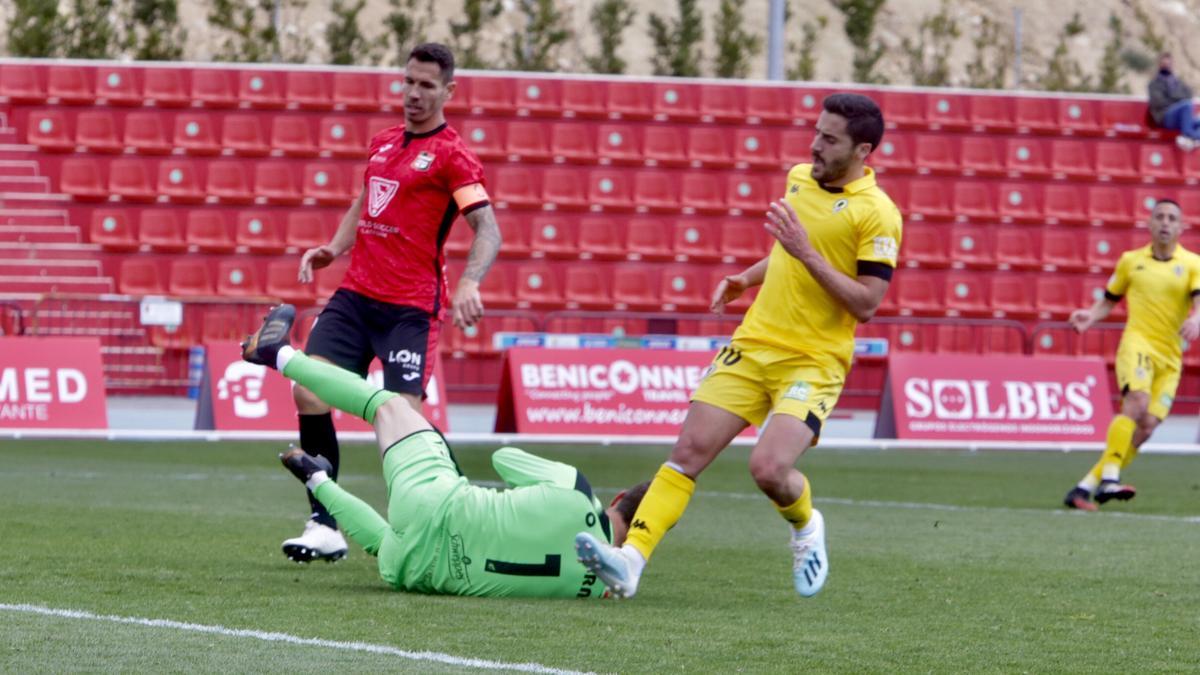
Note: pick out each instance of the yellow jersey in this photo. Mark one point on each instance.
(848, 226)
(1158, 294)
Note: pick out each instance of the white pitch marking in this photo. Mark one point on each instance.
(436, 657)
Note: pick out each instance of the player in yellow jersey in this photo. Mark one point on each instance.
(1161, 284)
(837, 236)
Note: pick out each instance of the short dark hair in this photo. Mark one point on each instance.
(864, 120)
(435, 52)
(1168, 200)
(628, 505)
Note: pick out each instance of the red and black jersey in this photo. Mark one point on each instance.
(415, 185)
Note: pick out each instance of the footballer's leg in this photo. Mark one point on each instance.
(360, 522)
(773, 466)
(705, 433)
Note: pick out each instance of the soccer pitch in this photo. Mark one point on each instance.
(163, 557)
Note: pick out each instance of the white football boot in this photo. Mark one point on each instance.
(610, 563)
(319, 542)
(810, 565)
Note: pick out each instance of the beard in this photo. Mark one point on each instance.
(829, 169)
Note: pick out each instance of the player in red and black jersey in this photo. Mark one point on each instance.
(420, 176)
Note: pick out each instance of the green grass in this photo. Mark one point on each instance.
(940, 562)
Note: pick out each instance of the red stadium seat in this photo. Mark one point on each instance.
(980, 155)
(572, 142)
(23, 83)
(140, 276)
(309, 89)
(1000, 340)
(1079, 116)
(586, 287)
(1114, 160)
(1145, 199)
(1109, 204)
(190, 277)
(243, 135)
(261, 88)
(1036, 114)
(526, 142)
(924, 246)
(752, 194)
(795, 145)
(553, 236)
(130, 179)
(634, 288)
(213, 87)
(292, 135)
(1062, 250)
(196, 134)
(647, 239)
(903, 109)
(282, 283)
(565, 189)
(329, 279)
(756, 148)
(356, 91)
(1091, 289)
(912, 339)
(111, 229)
(208, 231)
(701, 192)
(1011, 297)
(259, 232)
(930, 200)
(807, 102)
(237, 279)
(458, 244)
(683, 288)
(1055, 296)
(48, 130)
(485, 138)
(118, 86)
(655, 190)
(1104, 248)
(1155, 160)
(537, 97)
(1191, 167)
(493, 96)
(722, 103)
(326, 183)
(1020, 202)
(696, 241)
(537, 287)
(970, 246)
(71, 85)
(161, 230)
(518, 186)
(1123, 117)
(618, 143)
(391, 92)
(1027, 157)
(919, 293)
(609, 189)
(1056, 342)
(947, 112)
(632, 100)
(307, 229)
(229, 182)
(516, 227)
(708, 147)
(166, 87)
(1071, 159)
(1016, 248)
(768, 105)
(601, 237)
(957, 339)
(180, 180)
(992, 113)
(896, 154)
(275, 183)
(96, 130)
(497, 290)
(933, 153)
(584, 98)
(144, 133)
(342, 137)
(1066, 203)
(676, 101)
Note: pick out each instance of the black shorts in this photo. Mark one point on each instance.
(354, 329)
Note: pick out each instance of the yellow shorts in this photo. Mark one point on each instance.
(1140, 369)
(751, 380)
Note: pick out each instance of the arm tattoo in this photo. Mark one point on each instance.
(486, 245)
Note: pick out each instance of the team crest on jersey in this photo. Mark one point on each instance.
(840, 204)
(379, 194)
(1179, 270)
(423, 161)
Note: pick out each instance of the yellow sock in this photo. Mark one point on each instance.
(799, 512)
(665, 501)
(1129, 456)
(1117, 448)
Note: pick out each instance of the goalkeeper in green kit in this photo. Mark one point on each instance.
(442, 534)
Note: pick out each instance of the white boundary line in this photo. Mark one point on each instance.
(590, 439)
(435, 657)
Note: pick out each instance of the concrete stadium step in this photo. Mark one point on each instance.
(40, 234)
(58, 217)
(39, 284)
(122, 321)
(30, 200)
(42, 267)
(18, 167)
(18, 251)
(39, 185)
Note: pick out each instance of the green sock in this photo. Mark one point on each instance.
(357, 519)
(336, 386)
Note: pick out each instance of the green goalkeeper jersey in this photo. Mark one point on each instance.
(481, 541)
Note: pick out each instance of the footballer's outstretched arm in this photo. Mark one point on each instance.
(731, 287)
(860, 295)
(321, 256)
(467, 304)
